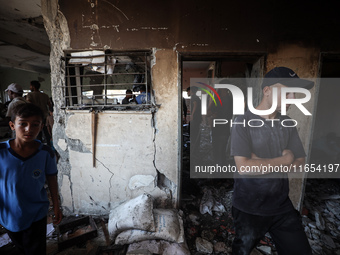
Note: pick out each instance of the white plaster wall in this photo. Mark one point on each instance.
(124, 161)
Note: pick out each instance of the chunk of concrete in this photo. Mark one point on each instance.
(203, 245)
(138, 181)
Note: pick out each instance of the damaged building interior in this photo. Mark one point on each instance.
(124, 169)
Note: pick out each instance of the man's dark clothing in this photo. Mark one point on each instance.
(195, 124)
(263, 196)
(285, 230)
(262, 204)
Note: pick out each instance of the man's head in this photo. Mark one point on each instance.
(142, 88)
(286, 77)
(281, 77)
(14, 90)
(192, 90)
(128, 93)
(34, 85)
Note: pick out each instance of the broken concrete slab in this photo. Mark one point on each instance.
(203, 245)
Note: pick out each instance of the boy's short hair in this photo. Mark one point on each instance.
(27, 110)
(35, 84)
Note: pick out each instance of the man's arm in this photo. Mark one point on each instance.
(53, 186)
(257, 164)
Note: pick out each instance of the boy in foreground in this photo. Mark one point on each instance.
(25, 165)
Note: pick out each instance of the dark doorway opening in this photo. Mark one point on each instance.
(207, 202)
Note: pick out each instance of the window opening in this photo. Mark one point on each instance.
(98, 78)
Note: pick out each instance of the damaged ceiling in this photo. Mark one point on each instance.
(23, 40)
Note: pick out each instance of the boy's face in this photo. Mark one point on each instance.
(289, 95)
(27, 129)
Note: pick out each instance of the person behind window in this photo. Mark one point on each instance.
(143, 97)
(129, 97)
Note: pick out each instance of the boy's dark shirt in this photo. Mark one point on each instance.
(263, 196)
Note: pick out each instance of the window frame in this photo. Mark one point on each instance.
(74, 87)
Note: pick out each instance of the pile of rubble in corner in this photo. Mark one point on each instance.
(208, 222)
(321, 215)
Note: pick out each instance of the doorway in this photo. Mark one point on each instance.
(205, 65)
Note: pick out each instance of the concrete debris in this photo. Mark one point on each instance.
(265, 249)
(204, 246)
(322, 223)
(312, 224)
(333, 207)
(159, 247)
(4, 239)
(326, 239)
(207, 202)
(308, 232)
(208, 235)
(194, 219)
(220, 247)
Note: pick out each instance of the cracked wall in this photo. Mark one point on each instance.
(127, 147)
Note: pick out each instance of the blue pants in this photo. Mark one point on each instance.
(285, 229)
(31, 241)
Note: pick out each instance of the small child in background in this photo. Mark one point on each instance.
(25, 165)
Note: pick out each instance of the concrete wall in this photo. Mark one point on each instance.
(170, 28)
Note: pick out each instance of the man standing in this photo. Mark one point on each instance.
(195, 120)
(15, 93)
(43, 101)
(260, 199)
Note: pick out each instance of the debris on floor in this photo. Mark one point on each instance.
(321, 218)
(75, 232)
(208, 222)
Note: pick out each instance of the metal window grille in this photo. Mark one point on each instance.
(101, 79)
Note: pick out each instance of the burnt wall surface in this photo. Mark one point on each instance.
(237, 25)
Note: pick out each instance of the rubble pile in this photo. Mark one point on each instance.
(321, 215)
(208, 222)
